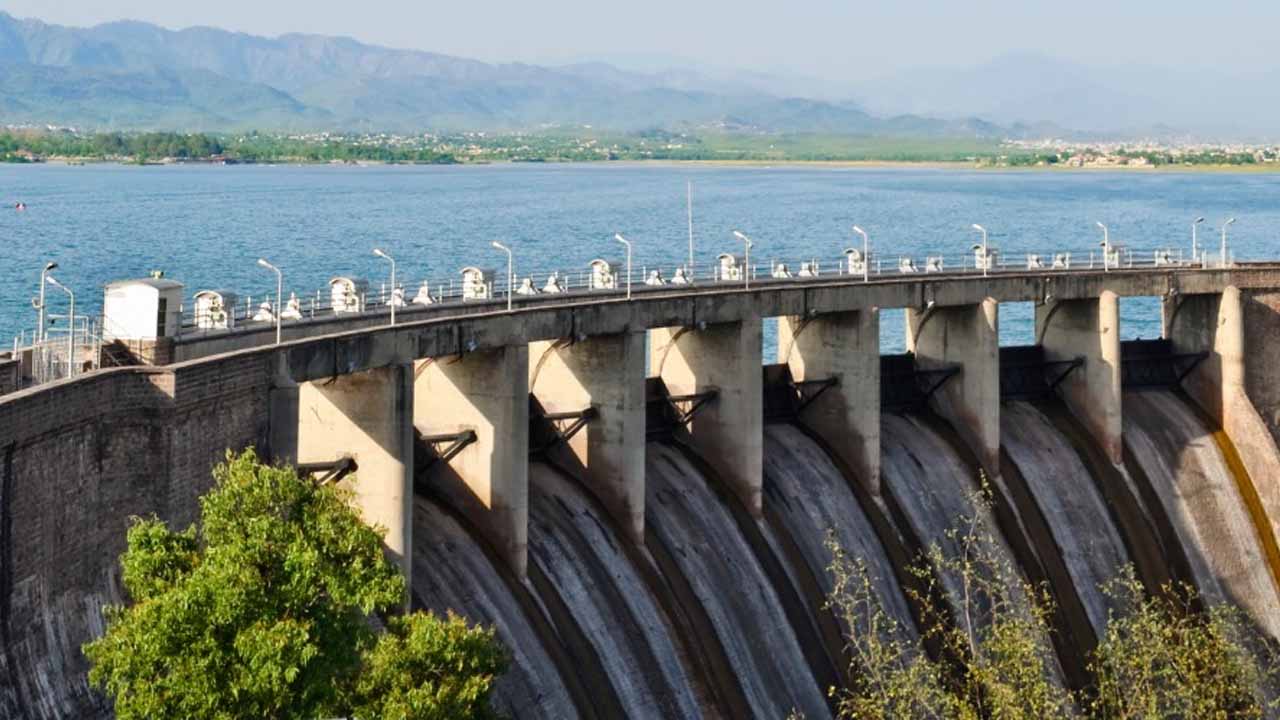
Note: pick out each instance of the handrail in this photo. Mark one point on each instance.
(559, 280)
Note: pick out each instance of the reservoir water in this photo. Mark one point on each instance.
(207, 225)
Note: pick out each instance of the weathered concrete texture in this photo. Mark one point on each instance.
(1060, 490)
(366, 416)
(967, 335)
(1215, 324)
(1088, 329)
(487, 392)
(10, 374)
(1200, 491)
(77, 460)
(844, 346)
(607, 373)
(728, 432)
(453, 573)
(1262, 340)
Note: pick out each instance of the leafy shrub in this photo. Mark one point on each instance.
(269, 608)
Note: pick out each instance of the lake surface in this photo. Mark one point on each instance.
(206, 226)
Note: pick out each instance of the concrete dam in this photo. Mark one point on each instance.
(641, 508)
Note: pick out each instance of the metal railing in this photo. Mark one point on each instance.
(66, 350)
(257, 310)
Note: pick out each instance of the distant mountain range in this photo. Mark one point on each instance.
(132, 75)
(1111, 101)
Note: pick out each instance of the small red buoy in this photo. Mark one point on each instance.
(20, 206)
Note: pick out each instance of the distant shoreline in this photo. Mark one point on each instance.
(943, 165)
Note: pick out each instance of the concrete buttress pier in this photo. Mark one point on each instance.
(968, 336)
(367, 416)
(487, 392)
(729, 433)
(1088, 328)
(844, 346)
(606, 373)
(1214, 324)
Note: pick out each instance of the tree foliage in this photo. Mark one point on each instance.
(1160, 656)
(270, 608)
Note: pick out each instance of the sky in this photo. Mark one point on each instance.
(832, 41)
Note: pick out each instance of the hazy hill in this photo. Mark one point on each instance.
(137, 75)
(1133, 100)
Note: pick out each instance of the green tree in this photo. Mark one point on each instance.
(270, 607)
(1161, 656)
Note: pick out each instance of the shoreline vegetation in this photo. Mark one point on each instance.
(23, 146)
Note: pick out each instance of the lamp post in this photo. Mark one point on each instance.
(746, 260)
(388, 258)
(627, 243)
(1194, 245)
(71, 325)
(279, 292)
(689, 208)
(986, 259)
(1225, 225)
(866, 255)
(43, 274)
(511, 264)
(1106, 246)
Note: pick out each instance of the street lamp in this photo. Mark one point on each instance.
(511, 264)
(1225, 225)
(866, 256)
(1194, 245)
(71, 325)
(624, 241)
(279, 292)
(689, 209)
(746, 261)
(1106, 246)
(43, 274)
(986, 258)
(388, 258)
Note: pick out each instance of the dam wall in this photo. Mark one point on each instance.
(78, 459)
(662, 551)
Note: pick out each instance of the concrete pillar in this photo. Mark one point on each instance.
(1212, 324)
(729, 432)
(1215, 324)
(367, 416)
(604, 372)
(488, 392)
(1262, 379)
(845, 346)
(967, 335)
(1089, 328)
